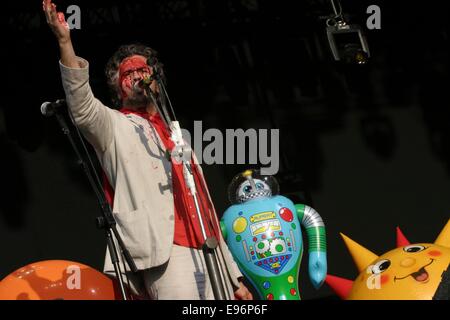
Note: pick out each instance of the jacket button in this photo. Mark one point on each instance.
(171, 217)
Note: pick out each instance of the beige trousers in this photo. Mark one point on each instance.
(183, 277)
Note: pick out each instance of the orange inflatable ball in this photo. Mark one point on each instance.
(57, 280)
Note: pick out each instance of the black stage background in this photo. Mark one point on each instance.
(367, 146)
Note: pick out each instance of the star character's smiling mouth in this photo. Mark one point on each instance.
(420, 276)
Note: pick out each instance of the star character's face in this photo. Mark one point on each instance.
(247, 191)
(409, 272)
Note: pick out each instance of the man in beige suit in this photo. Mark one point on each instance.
(151, 204)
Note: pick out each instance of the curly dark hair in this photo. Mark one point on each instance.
(112, 67)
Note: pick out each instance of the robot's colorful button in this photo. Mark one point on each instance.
(239, 225)
(266, 285)
(240, 213)
(286, 214)
(290, 279)
(280, 233)
(238, 238)
(263, 236)
(294, 226)
(255, 239)
(293, 291)
(269, 296)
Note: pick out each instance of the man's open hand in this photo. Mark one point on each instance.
(56, 21)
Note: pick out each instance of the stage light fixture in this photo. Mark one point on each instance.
(347, 41)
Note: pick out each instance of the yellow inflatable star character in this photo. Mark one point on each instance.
(417, 271)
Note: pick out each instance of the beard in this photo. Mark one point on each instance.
(139, 100)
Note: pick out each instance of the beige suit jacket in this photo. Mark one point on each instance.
(133, 158)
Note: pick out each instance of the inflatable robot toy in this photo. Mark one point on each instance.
(263, 232)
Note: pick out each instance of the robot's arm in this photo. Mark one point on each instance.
(317, 243)
(314, 226)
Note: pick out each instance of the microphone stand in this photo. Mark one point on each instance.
(107, 221)
(179, 153)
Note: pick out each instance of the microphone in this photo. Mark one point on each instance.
(143, 83)
(49, 108)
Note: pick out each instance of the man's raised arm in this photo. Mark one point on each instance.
(60, 28)
(91, 116)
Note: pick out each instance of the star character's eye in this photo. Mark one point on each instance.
(247, 189)
(380, 266)
(259, 186)
(414, 248)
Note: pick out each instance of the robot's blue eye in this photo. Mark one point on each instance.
(247, 189)
(259, 186)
